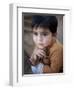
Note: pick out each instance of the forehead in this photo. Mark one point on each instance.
(40, 29)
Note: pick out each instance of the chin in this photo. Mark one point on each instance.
(40, 47)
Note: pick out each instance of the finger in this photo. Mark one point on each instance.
(39, 53)
(41, 56)
(40, 50)
(42, 53)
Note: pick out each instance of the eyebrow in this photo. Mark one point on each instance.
(41, 32)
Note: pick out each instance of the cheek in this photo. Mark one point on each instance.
(47, 40)
(34, 39)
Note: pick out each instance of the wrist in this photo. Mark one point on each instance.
(46, 69)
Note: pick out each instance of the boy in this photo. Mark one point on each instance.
(47, 56)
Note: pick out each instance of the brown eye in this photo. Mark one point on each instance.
(35, 33)
(45, 34)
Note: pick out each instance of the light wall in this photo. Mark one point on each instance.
(4, 45)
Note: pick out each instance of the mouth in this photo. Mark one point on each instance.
(40, 46)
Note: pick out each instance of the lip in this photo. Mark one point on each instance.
(40, 44)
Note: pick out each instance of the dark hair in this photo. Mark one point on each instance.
(49, 22)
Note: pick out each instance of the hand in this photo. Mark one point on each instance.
(46, 61)
(46, 69)
(36, 55)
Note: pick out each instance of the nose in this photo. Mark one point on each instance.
(39, 38)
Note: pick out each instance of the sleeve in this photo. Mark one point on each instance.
(56, 60)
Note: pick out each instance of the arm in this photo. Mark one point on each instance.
(37, 56)
(56, 62)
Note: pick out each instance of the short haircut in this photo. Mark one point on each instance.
(49, 22)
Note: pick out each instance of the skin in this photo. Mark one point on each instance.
(42, 38)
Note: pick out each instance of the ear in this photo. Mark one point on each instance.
(55, 34)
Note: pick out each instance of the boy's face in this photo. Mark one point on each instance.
(42, 37)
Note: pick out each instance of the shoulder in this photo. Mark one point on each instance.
(56, 57)
(56, 47)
